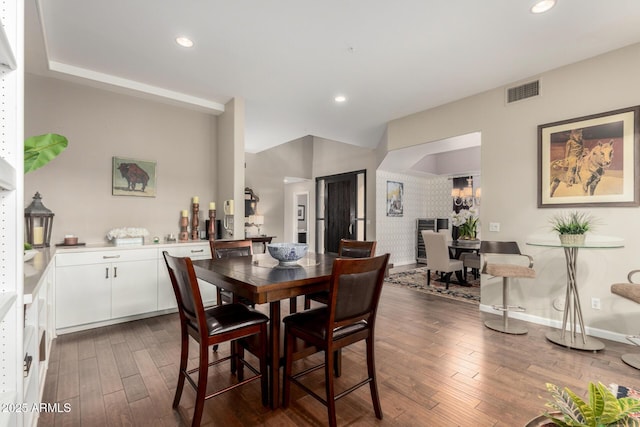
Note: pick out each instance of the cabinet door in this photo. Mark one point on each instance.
(134, 288)
(83, 294)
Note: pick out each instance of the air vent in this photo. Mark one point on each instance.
(523, 91)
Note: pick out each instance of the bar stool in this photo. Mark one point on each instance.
(507, 271)
(630, 291)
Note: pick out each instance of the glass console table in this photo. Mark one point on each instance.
(572, 308)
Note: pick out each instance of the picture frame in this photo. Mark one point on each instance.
(590, 161)
(301, 212)
(395, 198)
(131, 177)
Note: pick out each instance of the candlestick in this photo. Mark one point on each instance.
(196, 199)
(184, 234)
(195, 220)
(212, 206)
(212, 223)
(185, 213)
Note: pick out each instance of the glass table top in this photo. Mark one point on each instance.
(593, 242)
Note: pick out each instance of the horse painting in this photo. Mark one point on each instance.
(591, 166)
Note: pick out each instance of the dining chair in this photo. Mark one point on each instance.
(211, 326)
(227, 249)
(490, 250)
(349, 317)
(438, 256)
(470, 260)
(346, 249)
(631, 291)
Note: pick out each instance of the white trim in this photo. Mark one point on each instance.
(595, 332)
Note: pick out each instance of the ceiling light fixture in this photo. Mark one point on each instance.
(340, 98)
(184, 41)
(542, 6)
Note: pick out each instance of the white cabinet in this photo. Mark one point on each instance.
(95, 286)
(166, 297)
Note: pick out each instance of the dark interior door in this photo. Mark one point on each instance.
(340, 210)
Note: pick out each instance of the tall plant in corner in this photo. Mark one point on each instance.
(40, 150)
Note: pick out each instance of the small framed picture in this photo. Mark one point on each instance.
(301, 212)
(132, 177)
(395, 198)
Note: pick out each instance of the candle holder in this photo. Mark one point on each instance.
(184, 234)
(195, 207)
(212, 225)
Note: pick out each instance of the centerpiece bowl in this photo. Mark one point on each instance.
(287, 254)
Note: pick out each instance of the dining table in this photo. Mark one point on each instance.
(261, 280)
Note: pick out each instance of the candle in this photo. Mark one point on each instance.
(38, 235)
(196, 199)
(185, 213)
(212, 206)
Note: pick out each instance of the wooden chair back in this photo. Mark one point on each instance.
(356, 248)
(187, 291)
(230, 248)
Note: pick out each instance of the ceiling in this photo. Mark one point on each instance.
(289, 58)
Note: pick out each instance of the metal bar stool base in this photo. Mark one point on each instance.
(632, 359)
(498, 325)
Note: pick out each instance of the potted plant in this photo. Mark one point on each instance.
(572, 227)
(40, 150)
(467, 222)
(602, 409)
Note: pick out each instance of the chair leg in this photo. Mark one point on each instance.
(238, 357)
(373, 385)
(184, 356)
(337, 362)
(329, 374)
(447, 278)
(503, 324)
(428, 277)
(307, 303)
(202, 385)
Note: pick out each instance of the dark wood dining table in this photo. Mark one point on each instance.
(260, 280)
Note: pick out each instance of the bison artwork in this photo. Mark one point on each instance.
(134, 175)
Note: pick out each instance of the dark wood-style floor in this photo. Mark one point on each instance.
(437, 365)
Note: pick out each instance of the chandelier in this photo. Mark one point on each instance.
(464, 196)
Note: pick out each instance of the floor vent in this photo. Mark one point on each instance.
(524, 91)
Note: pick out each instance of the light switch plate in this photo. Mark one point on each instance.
(494, 226)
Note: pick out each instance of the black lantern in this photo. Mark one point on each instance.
(39, 221)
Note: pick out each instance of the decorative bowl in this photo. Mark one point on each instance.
(287, 254)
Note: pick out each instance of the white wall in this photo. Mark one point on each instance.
(423, 198)
(510, 181)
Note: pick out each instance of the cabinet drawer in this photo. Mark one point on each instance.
(202, 251)
(104, 256)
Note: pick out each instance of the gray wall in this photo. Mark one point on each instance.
(99, 124)
(509, 182)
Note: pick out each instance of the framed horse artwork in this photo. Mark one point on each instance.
(590, 161)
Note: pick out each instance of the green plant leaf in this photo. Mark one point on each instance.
(40, 150)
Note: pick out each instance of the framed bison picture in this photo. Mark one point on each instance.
(132, 177)
(590, 161)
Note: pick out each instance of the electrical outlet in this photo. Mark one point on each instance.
(595, 303)
(494, 226)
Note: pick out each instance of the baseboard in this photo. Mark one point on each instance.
(594, 332)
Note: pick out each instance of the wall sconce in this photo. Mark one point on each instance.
(39, 222)
(464, 196)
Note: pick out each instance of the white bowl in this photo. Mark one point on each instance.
(29, 254)
(287, 253)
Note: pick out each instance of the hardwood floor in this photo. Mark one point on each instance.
(437, 365)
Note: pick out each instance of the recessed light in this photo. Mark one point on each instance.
(184, 41)
(340, 98)
(542, 6)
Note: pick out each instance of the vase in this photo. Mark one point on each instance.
(572, 239)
